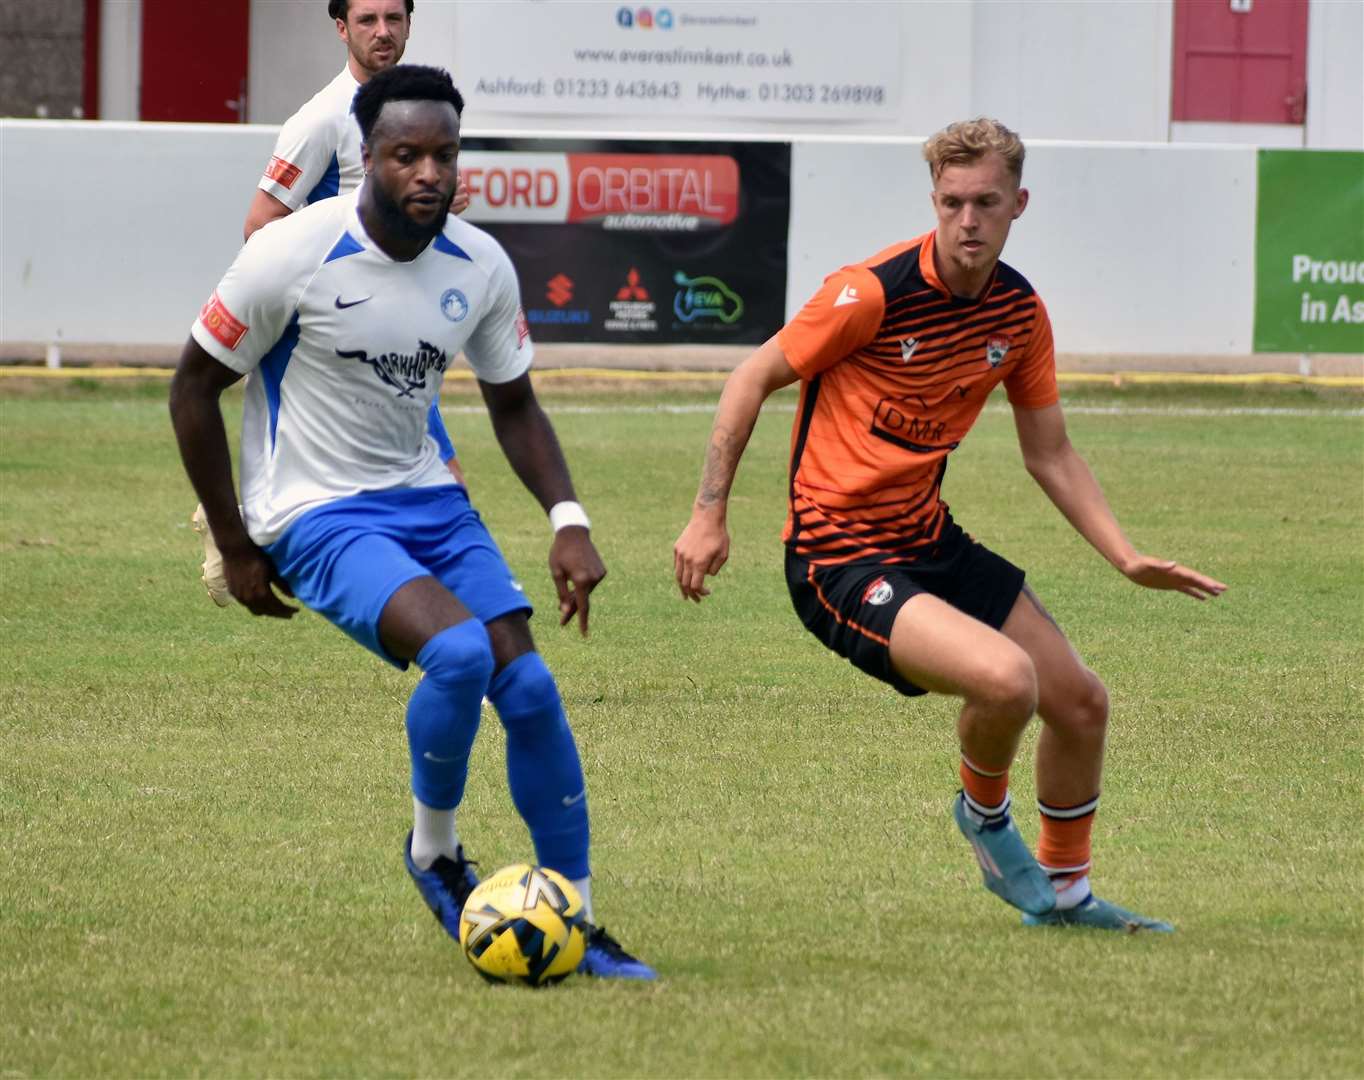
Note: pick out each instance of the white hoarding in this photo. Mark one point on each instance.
(769, 61)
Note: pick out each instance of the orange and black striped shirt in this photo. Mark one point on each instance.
(895, 370)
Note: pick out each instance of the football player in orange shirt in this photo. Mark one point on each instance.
(896, 356)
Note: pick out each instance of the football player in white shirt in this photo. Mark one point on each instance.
(345, 317)
(317, 156)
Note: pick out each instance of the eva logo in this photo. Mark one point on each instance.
(221, 323)
(705, 298)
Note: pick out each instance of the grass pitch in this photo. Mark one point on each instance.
(203, 813)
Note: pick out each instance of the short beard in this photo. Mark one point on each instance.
(397, 222)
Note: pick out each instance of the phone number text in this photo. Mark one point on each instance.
(822, 93)
(619, 88)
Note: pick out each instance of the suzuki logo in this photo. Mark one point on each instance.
(560, 290)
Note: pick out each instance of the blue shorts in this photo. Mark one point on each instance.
(347, 558)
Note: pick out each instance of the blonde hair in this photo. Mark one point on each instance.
(967, 141)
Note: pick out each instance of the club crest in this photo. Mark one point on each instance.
(996, 348)
(878, 592)
(454, 305)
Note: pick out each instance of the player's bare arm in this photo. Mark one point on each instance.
(703, 547)
(264, 209)
(1063, 474)
(527, 438)
(197, 417)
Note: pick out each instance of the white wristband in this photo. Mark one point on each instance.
(563, 514)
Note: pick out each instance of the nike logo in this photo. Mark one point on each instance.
(569, 800)
(438, 760)
(907, 348)
(847, 296)
(350, 303)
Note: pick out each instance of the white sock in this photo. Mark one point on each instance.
(433, 834)
(584, 887)
(1072, 894)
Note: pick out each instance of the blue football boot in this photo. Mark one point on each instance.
(605, 959)
(1006, 864)
(1101, 915)
(445, 886)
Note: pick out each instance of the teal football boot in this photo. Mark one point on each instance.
(1006, 864)
(1100, 915)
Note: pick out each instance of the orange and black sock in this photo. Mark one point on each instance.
(986, 792)
(1063, 848)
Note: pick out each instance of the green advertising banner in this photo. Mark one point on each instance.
(1309, 252)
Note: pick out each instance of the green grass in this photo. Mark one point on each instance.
(203, 813)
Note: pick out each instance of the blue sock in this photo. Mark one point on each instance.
(443, 711)
(543, 769)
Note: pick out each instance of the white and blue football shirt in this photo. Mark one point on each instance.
(346, 349)
(317, 154)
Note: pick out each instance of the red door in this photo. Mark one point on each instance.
(1240, 61)
(194, 60)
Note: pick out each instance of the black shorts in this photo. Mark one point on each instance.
(851, 608)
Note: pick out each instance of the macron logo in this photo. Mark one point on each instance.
(847, 296)
(907, 347)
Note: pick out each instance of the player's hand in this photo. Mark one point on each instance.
(460, 202)
(577, 569)
(701, 550)
(1155, 573)
(250, 575)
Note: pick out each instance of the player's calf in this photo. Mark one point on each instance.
(543, 768)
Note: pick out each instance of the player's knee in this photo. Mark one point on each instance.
(459, 655)
(1010, 688)
(525, 693)
(1089, 710)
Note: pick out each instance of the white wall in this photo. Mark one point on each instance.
(1135, 248)
(1062, 70)
(1059, 69)
(127, 255)
(120, 59)
(1335, 74)
(294, 52)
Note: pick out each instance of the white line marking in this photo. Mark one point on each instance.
(1071, 410)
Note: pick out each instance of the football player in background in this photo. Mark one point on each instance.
(345, 316)
(317, 156)
(896, 356)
